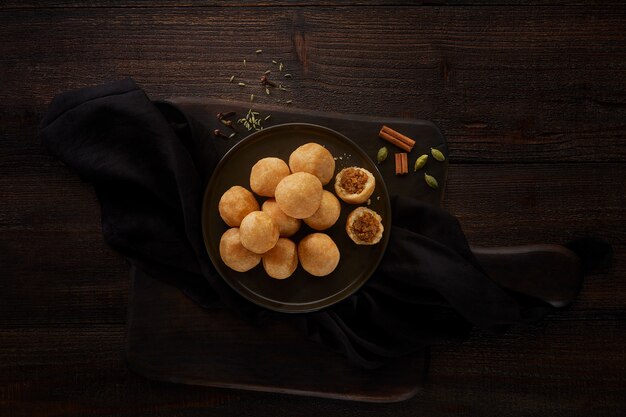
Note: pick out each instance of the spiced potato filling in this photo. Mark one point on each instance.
(366, 227)
(353, 180)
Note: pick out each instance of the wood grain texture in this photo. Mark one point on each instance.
(532, 101)
(16, 4)
(522, 88)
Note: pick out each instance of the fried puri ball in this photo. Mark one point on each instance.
(235, 204)
(266, 174)
(354, 185)
(364, 226)
(287, 226)
(299, 195)
(234, 255)
(327, 214)
(314, 159)
(318, 254)
(282, 260)
(258, 232)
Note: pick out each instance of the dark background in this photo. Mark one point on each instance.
(530, 96)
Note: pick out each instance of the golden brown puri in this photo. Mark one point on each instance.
(234, 255)
(318, 254)
(282, 260)
(327, 214)
(287, 225)
(299, 195)
(364, 226)
(258, 232)
(314, 159)
(235, 204)
(354, 185)
(266, 174)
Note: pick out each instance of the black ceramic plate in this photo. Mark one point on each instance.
(301, 292)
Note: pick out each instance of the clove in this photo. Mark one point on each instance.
(226, 115)
(218, 134)
(228, 123)
(266, 81)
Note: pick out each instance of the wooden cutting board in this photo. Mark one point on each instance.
(172, 339)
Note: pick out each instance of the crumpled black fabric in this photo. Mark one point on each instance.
(149, 164)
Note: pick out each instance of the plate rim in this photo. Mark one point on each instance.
(272, 304)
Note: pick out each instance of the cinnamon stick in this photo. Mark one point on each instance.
(402, 163)
(396, 138)
(398, 135)
(394, 141)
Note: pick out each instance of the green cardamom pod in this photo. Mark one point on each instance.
(382, 154)
(436, 153)
(420, 162)
(431, 181)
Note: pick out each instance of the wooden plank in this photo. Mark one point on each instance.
(16, 4)
(520, 89)
(172, 339)
(80, 370)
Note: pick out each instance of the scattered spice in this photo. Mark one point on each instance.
(287, 75)
(280, 87)
(288, 101)
(223, 118)
(258, 51)
(242, 84)
(402, 163)
(228, 123)
(218, 134)
(267, 91)
(280, 67)
(396, 138)
(267, 117)
(274, 62)
(232, 77)
(232, 135)
(420, 162)
(244, 62)
(267, 72)
(437, 154)
(226, 115)
(431, 181)
(251, 121)
(251, 97)
(382, 154)
(266, 81)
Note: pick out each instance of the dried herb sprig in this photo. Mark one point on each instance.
(252, 121)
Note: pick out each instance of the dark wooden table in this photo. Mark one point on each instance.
(532, 100)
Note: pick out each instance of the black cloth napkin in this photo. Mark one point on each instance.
(149, 164)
